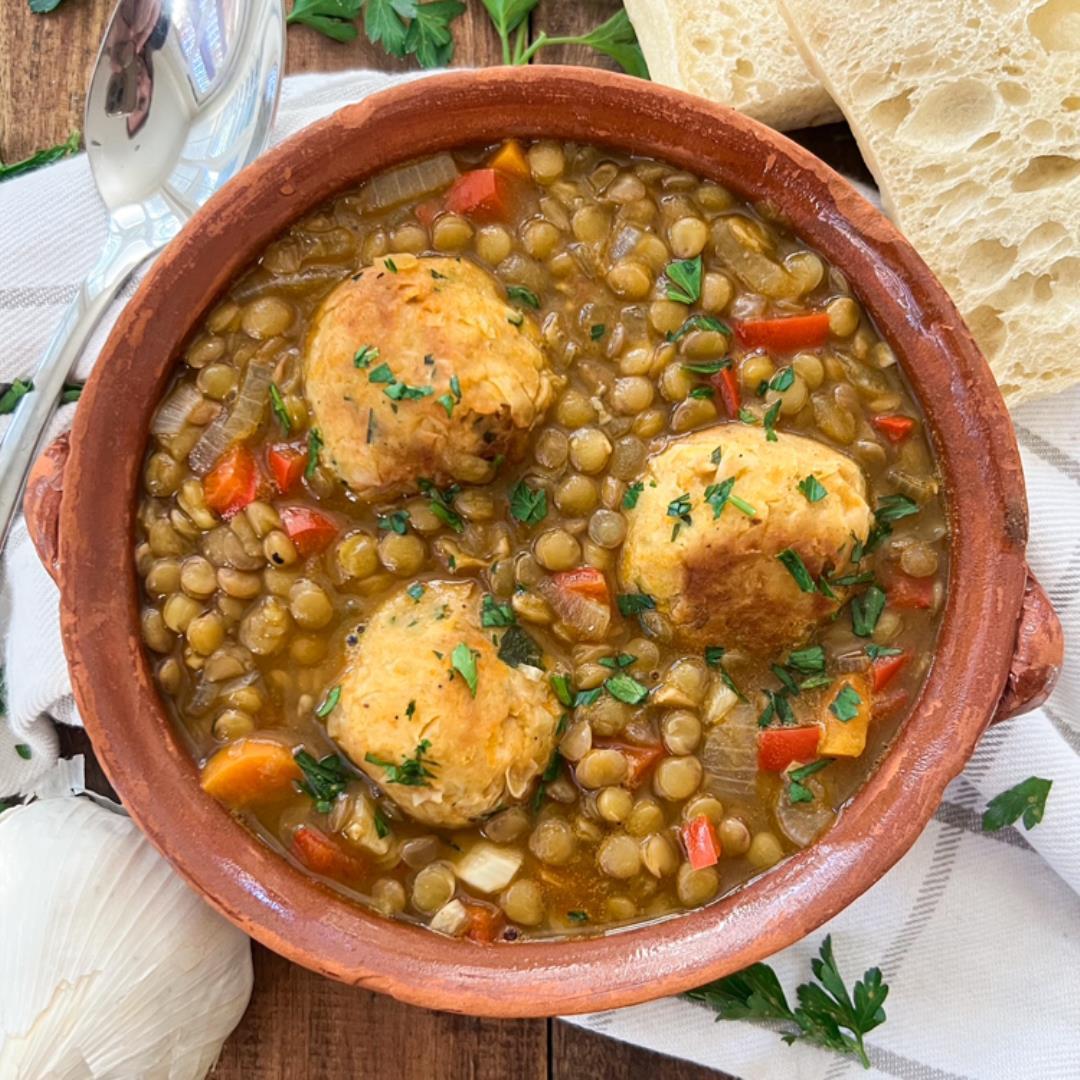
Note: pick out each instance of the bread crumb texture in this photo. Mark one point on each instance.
(735, 52)
(968, 114)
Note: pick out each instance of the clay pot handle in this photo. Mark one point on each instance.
(41, 503)
(1037, 657)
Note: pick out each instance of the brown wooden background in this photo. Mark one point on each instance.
(300, 1026)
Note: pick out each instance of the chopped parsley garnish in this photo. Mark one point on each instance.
(587, 697)
(866, 609)
(517, 648)
(812, 488)
(528, 505)
(699, 322)
(877, 651)
(364, 355)
(597, 331)
(786, 679)
(717, 495)
(463, 659)
(782, 380)
(577, 916)
(797, 791)
(742, 505)
(415, 590)
(412, 772)
(772, 413)
(827, 1016)
(680, 510)
(714, 655)
(845, 706)
(522, 295)
(382, 830)
(631, 494)
(381, 374)
(324, 780)
(626, 688)
(684, 280)
(390, 265)
(700, 392)
(13, 395)
(846, 580)
(747, 417)
(808, 661)
(777, 705)
(797, 569)
(440, 503)
(895, 507)
(706, 367)
(455, 387)
(279, 409)
(314, 446)
(616, 663)
(398, 521)
(634, 603)
(815, 682)
(563, 690)
(329, 703)
(551, 772)
(717, 455)
(449, 400)
(492, 613)
(399, 391)
(1027, 798)
(410, 709)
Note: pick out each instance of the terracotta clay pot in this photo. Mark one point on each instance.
(999, 646)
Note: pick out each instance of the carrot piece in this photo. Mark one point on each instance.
(846, 738)
(510, 158)
(885, 668)
(427, 211)
(785, 334)
(727, 386)
(250, 771)
(780, 747)
(895, 428)
(309, 530)
(639, 759)
(585, 581)
(324, 856)
(701, 842)
(484, 194)
(485, 922)
(910, 593)
(233, 481)
(287, 464)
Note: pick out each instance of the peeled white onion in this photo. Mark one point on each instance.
(112, 967)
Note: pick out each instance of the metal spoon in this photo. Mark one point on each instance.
(181, 99)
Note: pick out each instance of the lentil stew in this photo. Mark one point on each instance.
(539, 539)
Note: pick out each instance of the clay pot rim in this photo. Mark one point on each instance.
(303, 920)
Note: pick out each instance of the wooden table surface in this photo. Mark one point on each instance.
(300, 1026)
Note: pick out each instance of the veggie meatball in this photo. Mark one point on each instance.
(420, 368)
(715, 511)
(432, 714)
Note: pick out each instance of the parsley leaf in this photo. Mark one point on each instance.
(492, 613)
(329, 703)
(706, 367)
(53, 153)
(679, 508)
(364, 355)
(15, 392)
(324, 780)
(1027, 798)
(631, 494)
(521, 295)
(876, 651)
(866, 609)
(845, 705)
(440, 503)
(626, 688)
(808, 661)
(430, 38)
(772, 414)
(277, 406)
(698, 322)
(563, 691)
(895, 507)
(684, 280)
(717, 495)
(463, 660)
(797, 791)
(634, 603)
(334, 18)
(597, 331)
(314, 446)
(415, 590)
(797, 569)
(412, 772)
(381, 374)
(528, 505)
(397, 521)
(812, 488)
(782, 380)
(517, 648)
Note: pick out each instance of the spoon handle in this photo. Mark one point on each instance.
(25, 436)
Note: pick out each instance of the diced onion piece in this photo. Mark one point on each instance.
(487, 867)
(624, 242)
(240, 422)
(175, 410)
(450, 919)
(408, 182)
(590, 618)
(730, 755)
(803, 822)
(719, 701)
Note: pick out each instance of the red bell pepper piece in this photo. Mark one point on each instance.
(780, 747)
(310, 531)
(483, 194)
(885, 668)
(233, 481)
(785, 334)
(727, 386)
(323, 856)
(701, 842)
(895, 428)
(485, 922)
(287, 464)
(585, 581)
(639, 759)
(910, 593)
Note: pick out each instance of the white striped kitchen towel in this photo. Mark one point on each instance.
(977, 934)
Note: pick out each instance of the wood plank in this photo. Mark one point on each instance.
(572, 18)
(577, 1054)
(303, 1027)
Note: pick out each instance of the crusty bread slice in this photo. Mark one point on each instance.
(968, 114)
(736, 52)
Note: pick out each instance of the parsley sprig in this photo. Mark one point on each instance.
(827, 1015)
(1026, 799)
(324, 780)
(413, 771)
